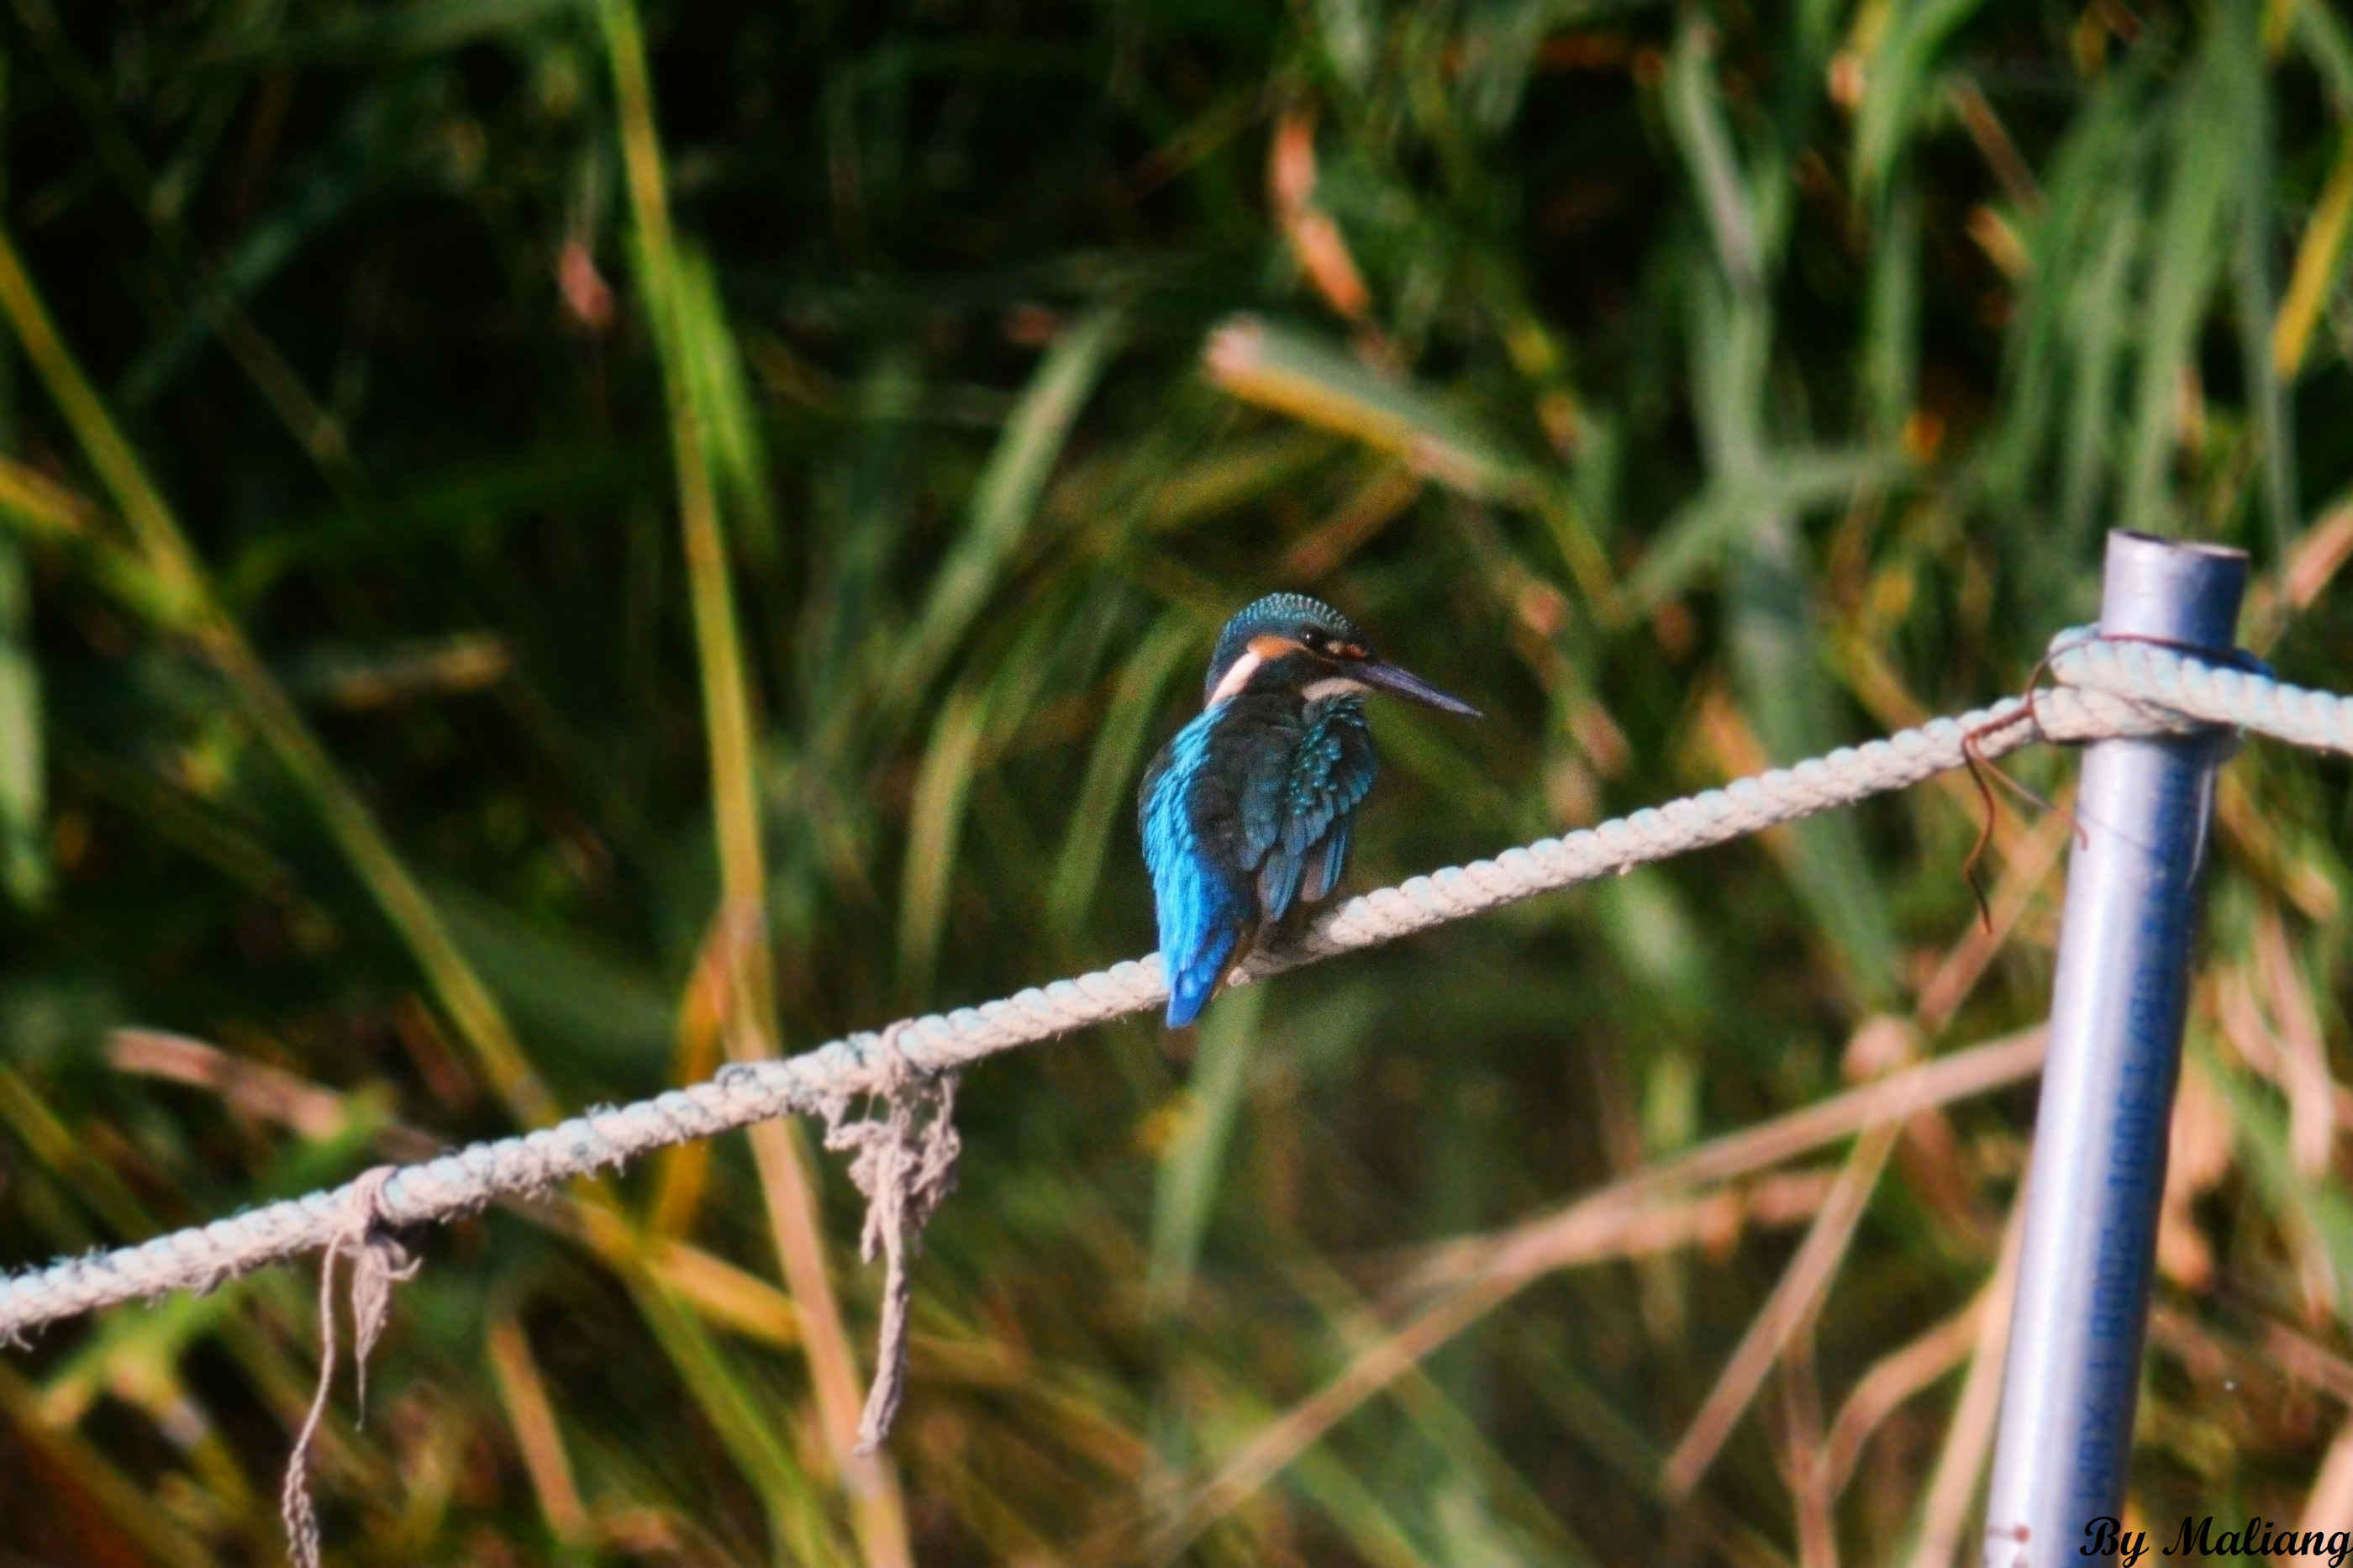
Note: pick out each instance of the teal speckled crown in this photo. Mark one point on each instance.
(1275, 611)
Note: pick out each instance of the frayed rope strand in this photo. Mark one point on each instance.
(465, 1180)
(378, 1262)
(904, 1160)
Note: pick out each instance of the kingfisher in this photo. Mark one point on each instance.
(1248, 809)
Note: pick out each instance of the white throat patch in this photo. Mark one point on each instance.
(1331, 686)
(1236, 680)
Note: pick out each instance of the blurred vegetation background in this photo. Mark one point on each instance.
(550, 542)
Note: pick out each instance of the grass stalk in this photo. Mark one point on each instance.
(787, 1181)
(187, 596)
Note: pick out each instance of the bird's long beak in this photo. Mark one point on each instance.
(1406, 683)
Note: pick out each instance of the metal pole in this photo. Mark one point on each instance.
(2117, 1005)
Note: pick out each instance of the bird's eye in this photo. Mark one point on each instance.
(1315, 642)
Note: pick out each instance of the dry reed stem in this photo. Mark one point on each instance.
(1795, 1297)
(2306, 1359)
(1969, 1437)
(2304, 1055)
(1473, 1276)
(539, 1437)
(1549, 1239)
(1801, 1450)
(2329, 1503)
(1894, 1379)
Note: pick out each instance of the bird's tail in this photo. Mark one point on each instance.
(1191, 985)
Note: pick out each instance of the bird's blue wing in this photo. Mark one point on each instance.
(1303, 836)
(1239, 820)
(1326, 864)
(1201, 912)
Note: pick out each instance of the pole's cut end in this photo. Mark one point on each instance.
(2172, 590)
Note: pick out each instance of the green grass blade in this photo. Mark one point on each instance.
(1192, 1171)
(24, 811)
(1005, 498)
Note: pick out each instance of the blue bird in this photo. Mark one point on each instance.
(1248, 809)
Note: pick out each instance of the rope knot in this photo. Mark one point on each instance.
(2152, 674)
(903, 1161)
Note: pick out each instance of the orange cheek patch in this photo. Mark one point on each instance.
(1268, 645)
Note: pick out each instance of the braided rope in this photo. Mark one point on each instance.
(2116, 689)
(2242, 695)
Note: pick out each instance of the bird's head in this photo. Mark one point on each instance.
(1289, 642)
